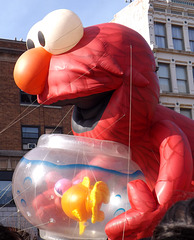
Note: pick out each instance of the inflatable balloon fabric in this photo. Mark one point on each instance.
(109, 74)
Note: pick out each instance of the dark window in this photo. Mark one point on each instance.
(27, 98)
(176, 12)
(159, 9)
(160, 34)
(172, 108)
(6, 197)
(30, 137)
(193, 74)
(164, 77)
(177, 35)
(181, 77)
(191, 38)
(186, 112)
(190, 14)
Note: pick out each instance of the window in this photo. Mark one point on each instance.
(30, 137)
(27, 98)
(49, 130)
(6, 198)
(191, 38)
(5, 192)
(190, 14)
(176, 12)
(171, 108)
(186, 112)
(159, 9)
(160, 34)
(177, 36)
(181, 77)
(164, 77)
(193, 74)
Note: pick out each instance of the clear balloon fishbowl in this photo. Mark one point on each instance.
(71, 187)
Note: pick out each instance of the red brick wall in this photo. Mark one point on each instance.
(10, 108)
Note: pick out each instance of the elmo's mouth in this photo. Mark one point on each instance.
(87, 111)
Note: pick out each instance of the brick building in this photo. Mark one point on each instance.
(22, 120)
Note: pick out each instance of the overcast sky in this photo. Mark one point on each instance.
(18, 16)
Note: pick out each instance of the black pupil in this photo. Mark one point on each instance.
(41, 38)
(30, 44)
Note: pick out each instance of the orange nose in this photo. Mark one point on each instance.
(31, 70)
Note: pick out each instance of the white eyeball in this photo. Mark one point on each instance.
(32, 37)
(58, 32)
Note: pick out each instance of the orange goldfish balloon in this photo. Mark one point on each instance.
(83, 201)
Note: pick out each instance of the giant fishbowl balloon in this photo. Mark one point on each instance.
(71, 187)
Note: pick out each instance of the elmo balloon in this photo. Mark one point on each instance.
(109, 74)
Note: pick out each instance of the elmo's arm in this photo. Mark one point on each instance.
(176, 164)
(173, 184)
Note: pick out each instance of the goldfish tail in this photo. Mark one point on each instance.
(82, 226)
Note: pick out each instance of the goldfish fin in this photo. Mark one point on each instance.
(102, 192)
(82, 226)
(97, 216)
(99, 194)
(76, 214)
(86, 182)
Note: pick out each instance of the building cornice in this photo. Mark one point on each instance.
(177, 95)
(173, 51)
(12, 153)
(11, 51)
(182, 2)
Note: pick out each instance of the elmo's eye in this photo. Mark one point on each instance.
(32, 37)
(41, 38)
(30, 44)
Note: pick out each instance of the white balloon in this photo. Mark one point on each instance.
(61, 30)
(33, 35)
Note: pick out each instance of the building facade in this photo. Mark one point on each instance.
(168, 27)
(22, 121)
